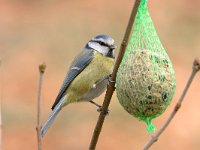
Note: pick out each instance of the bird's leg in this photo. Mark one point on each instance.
(100, 81)
(100, 108)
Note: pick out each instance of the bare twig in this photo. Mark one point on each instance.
(0, 105)
(42, 68)
(111, 86)
(154, 138)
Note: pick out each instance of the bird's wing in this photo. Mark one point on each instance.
(77, 66)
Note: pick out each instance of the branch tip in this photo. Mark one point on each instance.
(196, 64)
(42, 67)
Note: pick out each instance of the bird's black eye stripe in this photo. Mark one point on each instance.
(102, 43)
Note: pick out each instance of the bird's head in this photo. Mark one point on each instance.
(104, 44)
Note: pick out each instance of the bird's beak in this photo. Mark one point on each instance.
(113, 47)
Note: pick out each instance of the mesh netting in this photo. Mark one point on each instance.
(146, 81)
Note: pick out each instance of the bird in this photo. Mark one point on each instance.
(87, 76)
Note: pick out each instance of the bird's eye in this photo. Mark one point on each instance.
(102, 43)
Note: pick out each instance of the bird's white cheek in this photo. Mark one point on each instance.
(94, 45)
(102, 49)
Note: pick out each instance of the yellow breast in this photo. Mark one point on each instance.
(99, 67)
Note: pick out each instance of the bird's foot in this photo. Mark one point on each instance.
(103, 110)
(110, 80)
(100, 108)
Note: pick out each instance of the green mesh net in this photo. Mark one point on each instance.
(146, 81)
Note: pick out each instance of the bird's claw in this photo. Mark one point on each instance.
(110, 79)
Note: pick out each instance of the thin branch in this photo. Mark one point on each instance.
(42, 68)
(154, 138)
(1, 98)
(111, 86)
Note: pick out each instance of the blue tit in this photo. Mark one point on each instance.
(87, 77)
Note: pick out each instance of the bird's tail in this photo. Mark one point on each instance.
(51, 117)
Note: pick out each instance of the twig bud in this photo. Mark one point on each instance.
(196, 64)
(42, 67)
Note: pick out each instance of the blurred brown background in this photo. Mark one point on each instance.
(54, 31)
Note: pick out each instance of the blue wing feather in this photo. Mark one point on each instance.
(77, 66)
